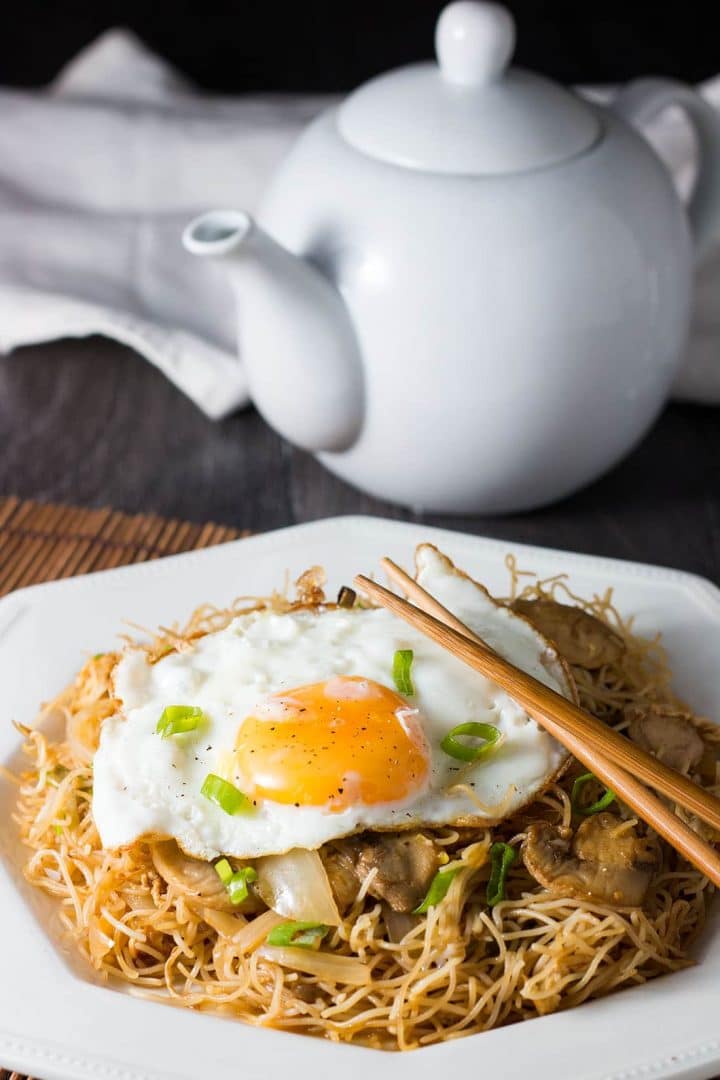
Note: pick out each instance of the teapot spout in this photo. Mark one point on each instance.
(296, 338)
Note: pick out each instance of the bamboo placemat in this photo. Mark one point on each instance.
(46, 541)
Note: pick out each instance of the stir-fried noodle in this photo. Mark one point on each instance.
(463, 967)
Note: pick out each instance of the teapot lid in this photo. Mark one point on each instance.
(468, 113)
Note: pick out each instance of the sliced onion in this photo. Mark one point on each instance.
(296, 885)
(100, 939)
(330, 967)
(223, 922)
(254, 934)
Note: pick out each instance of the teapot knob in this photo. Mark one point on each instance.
(474, 41)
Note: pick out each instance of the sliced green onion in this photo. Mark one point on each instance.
(225, 795)
(237, 886)
(235, 881)
(438, 889)
(58, 830)
(402, 663)
(464, 751)
(224, 870)
(346, 597)
(502, 856)
(299, 935)
(98, 656)
(594, 808)
(178, 719)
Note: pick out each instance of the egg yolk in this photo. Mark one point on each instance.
(332, 744)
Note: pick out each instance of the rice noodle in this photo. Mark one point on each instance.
(459, 969)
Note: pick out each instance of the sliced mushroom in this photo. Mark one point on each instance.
(581, 638)
(606, 860)
(341, 868)
(667, 732)
(195, 879)
(404, 866)
(398, 924)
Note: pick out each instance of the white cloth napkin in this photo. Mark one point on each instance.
(100, 172)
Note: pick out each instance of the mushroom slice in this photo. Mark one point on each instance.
(581, 638)
(341, 868)
(606, 860)
(197, 880)
(404, 865)
(667, 732)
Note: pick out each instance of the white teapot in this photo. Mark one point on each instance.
(467, 289)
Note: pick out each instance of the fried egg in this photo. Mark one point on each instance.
(301, 713)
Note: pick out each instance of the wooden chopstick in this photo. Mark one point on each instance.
(594, 732)
(561, 718)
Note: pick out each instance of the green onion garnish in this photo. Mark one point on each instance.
(300, 935)
(238, 884)
(225, 795)
(235, 881)
(98, 656)
(502, 856)
(224, 870)
(178, 719)
(438, 889)
(464, 751)
(594, 808)
(402, 663)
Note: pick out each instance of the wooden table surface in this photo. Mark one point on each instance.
(92, 423)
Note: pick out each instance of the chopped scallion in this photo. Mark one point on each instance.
(235, 881)
(179, 719)
(502, 856)
(299, 935)
(463, 751)
(402, 663)
(237, 886)
(225, 795)
(593, 808)
(438, 889)
(224, 870)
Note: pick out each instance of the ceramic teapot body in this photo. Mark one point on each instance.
(518, 334)
(478, 338)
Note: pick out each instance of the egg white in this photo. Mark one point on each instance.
(147, 785)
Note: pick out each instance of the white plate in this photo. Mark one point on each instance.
(56, 1023)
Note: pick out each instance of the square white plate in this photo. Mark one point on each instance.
(56, 1023)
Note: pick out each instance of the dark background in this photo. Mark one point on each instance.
(325, 45)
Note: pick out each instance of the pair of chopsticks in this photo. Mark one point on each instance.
(612, 758)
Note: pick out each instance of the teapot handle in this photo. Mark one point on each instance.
(643, 99)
